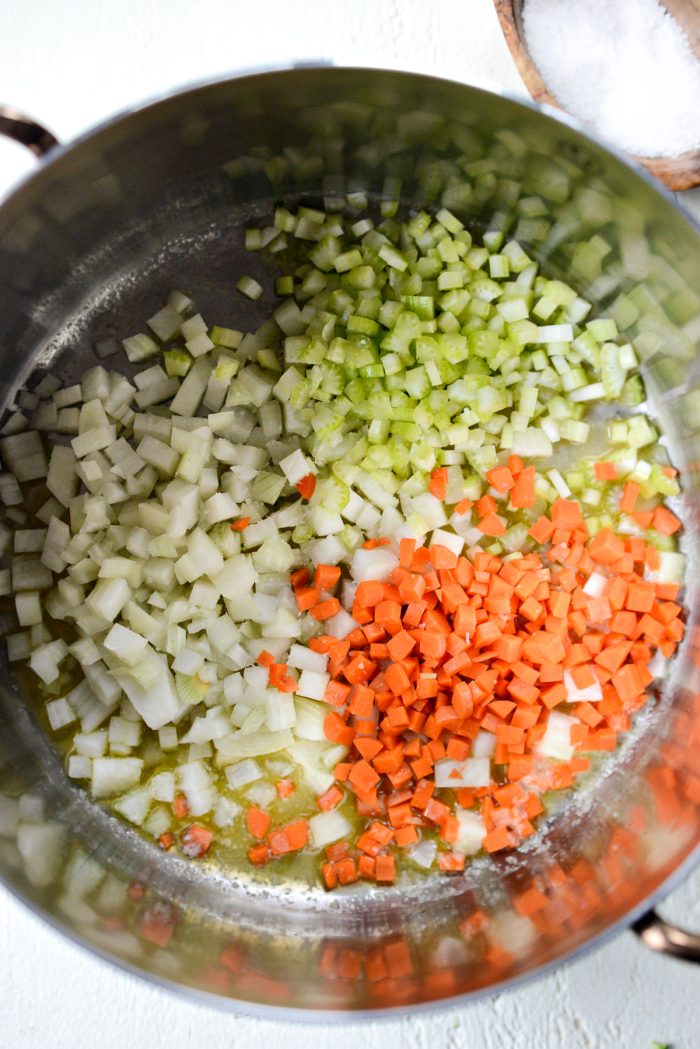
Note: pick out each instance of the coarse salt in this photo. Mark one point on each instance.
(624, 67)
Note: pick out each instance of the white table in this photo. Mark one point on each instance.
(70, 70)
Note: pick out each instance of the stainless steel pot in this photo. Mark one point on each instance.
(159, 198)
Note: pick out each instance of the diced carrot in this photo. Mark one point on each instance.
(500, 478)
(457, 749)
(502, 708)
(407, 549)
(338, 651)
(326, 609)
(507, 647)
(522, 495)
(542, 647)
(346, 871)
(369, 748)
(665, 522)
(566, 514)
(522, 692)
(258, 854)
(438, 483)
(400, 645)
(605, 547)
(410, 587)
(299, 577)
(630, 494)
(332, 797)
(196, 840)
(652, 559)
(280, 679)
(601, 739)
(541, 530)
(180, 807)
(420, 559)
(326, 576)
(525, 673)
(240, 524)
(491, 524)
(605, 471)
(432, 644)
(359, 669)
(363, 776)
(337, 731)
(336, 693)
(291, 838)
(628, 683)
(486, 505)
(257, 821)
(396, 678)
(307, 486)
(640, 597)
(498, 838)
(406, 836)
(329, 874)
(587, 713)
(367, 867)
(307, 597)
(369, 593)
(385, 870)
(362, 701)
(297, 834)
(559, 603)
(381, 833)
(510, 734)
(520, 766)
(322, 644)
(553, 695)
(451, 861)
(436, 811)
(442, 559)
(531, 609)
(337, 851)
(643, 518)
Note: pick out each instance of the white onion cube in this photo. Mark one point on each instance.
(312, 685)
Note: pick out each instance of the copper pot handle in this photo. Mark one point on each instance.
(660, 936)
(26, 131)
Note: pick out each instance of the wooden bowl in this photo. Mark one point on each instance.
(681, 172)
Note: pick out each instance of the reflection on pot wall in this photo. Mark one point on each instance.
(499, 920)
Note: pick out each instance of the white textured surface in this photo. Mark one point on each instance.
(71, 70)
(595, 59)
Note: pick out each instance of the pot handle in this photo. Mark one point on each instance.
(660, 936)
(26, 131)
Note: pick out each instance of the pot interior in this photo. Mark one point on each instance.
(89, 247)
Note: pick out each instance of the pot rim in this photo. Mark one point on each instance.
(309, 1016)
(482, 84)
(304, 1014)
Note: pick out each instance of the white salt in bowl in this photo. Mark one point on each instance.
(679, 172)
